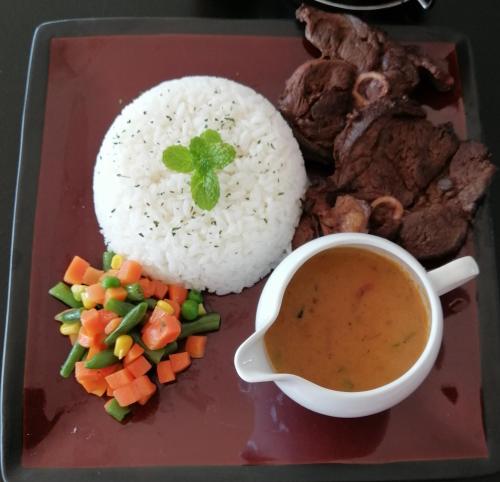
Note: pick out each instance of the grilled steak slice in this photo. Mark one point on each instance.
(433, 231)
(389, 148)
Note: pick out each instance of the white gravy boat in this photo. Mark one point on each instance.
(251, 359)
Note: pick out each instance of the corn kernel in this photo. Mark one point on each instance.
(116, 261)
(166, 307)
(122, 345)
(69, 328)
(201, 310)
(87, 304)
(77, 291)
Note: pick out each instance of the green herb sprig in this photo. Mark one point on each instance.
(207, 154)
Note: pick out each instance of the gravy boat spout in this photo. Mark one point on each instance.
(251, 360)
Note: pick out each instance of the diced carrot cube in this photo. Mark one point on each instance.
(75, 271)
(84, 338)
(178, 293)
(160, 289)
(129, 272)
(147, 287)
(106, 316)
(143, 386)
(195, 345)
(112, 325)
(91, 276)
(119, 378)
(139, 366)
(135, 352)
(96, 387)
(126, 395)
(180, 361)
(93, 350)
(165, 372)
(82, 373)
(95, 294)
(119, 293)
(91, 322)
(109, 391)
(98, 341)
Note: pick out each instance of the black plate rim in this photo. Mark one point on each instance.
(20, 266)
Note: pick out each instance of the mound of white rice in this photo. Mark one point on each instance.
(146, 211)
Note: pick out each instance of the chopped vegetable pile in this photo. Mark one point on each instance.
(121, 323)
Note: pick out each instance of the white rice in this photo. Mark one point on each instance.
(146, 211)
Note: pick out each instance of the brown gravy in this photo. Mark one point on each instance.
(351, 320)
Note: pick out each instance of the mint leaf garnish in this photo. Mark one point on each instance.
(198, 148)
(221, 154)
(211, 136)
(178, 158)
(207, 153)
(205, 189)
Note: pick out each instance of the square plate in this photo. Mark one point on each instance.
(90, 449)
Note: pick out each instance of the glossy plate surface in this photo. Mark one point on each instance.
(210, 424)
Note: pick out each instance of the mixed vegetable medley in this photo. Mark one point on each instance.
(121, 324)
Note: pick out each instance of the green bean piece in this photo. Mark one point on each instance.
(195, 295)
(210, 322)
(151, 303)
(69, 316)
(134, 292)
(114, 409)
(131, 319)
(107, 256)
(121, 308)
(110, 282)
(189, 310)
(75, 355)
(102, 359)
(154, 356)
(62, 292)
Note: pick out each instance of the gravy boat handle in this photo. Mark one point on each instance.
(453, 274)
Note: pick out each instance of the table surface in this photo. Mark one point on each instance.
(478, 20)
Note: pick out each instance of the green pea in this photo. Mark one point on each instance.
(195, 296)
(110, 282)
(189, 310)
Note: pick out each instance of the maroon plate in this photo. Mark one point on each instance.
(209, 417)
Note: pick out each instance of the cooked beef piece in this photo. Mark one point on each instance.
(348, 38)
(465, 180)
(470, 172)
(433, 231)
(440, 77)
(447, 205)
(389, 148)
(306, 230)
(342, 37)
(349, 215)
(316, 100)
(359, 65)
(386, 216)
